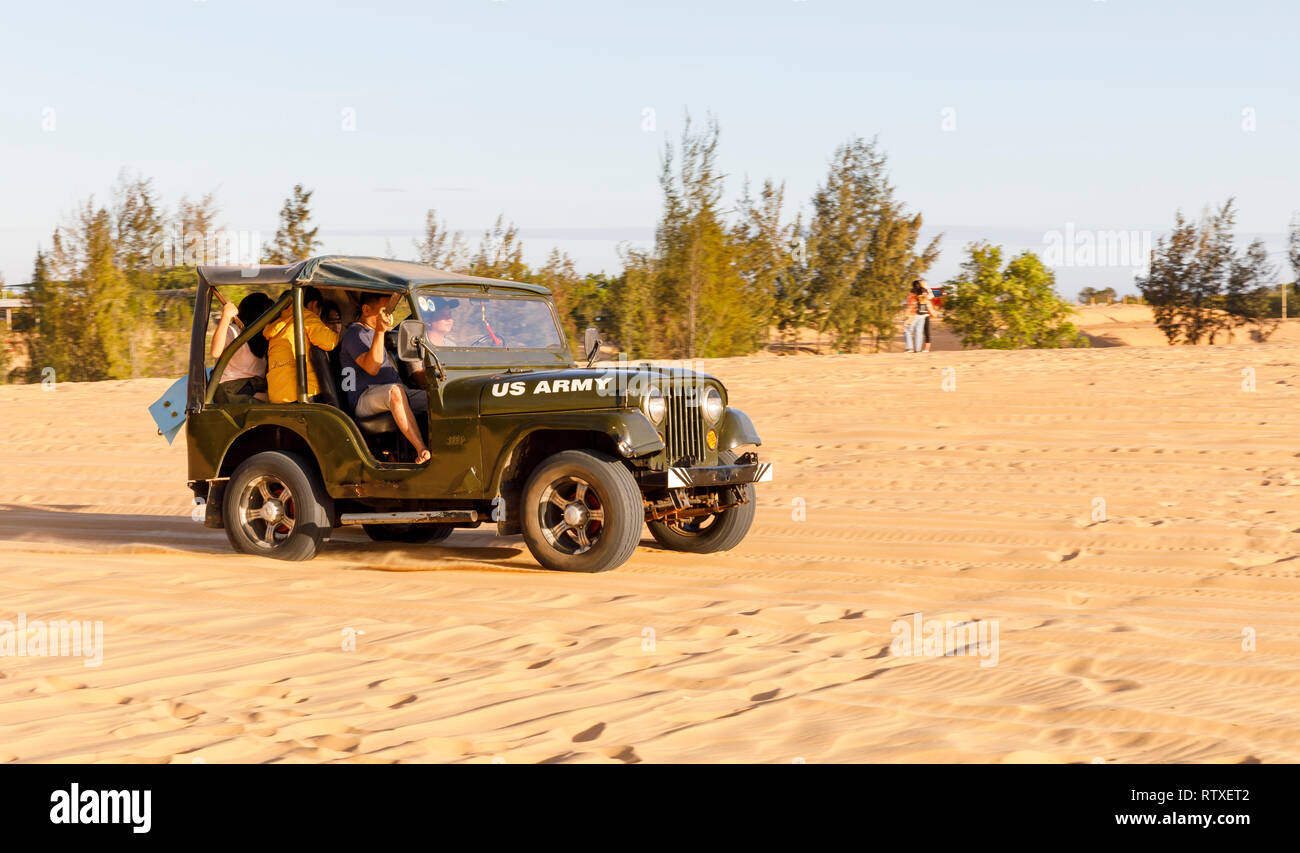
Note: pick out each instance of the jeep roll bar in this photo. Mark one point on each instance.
(197, 392)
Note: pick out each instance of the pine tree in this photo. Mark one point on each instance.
(1200, 287)
(863, 248)
(84, 316)
(195, 239)
(1293, 246)
(892, 264)
(1292, 302)
(108, 291)
(138, 226)
(792, 299)
(293, 241)
(500, 253)
(578, 299)
(635, 320)
(764, 255)
(6, 340)
(68, 342)
(137, 238)
(438, 247)
(697, 289)
(49, 308)
(195, 227)
(48, 314)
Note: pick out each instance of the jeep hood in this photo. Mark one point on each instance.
(574, 388)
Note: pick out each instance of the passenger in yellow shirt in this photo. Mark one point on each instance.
(281, 357)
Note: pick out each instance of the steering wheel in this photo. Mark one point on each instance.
(485, 339)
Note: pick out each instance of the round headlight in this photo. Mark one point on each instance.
(655, 405)
(713, 405)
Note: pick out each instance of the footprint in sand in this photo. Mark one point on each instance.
(589, 734)
(1082, 669)
(1032, 756)
(150, 727)
(403, 683)
(826, 613)
(1064, 556)
(1114, 685)
(337, 743)
(251, 690)
(308, 729)
(625, 754)
(96, 696)
(389, 700)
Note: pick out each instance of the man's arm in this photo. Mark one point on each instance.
(320, 335)
(372, 360)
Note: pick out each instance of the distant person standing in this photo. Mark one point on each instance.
(920, 307)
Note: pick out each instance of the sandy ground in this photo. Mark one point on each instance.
(1133, 325)
(1104, 325)
(1161, 626)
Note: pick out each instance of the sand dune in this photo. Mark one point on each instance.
(1119, 639)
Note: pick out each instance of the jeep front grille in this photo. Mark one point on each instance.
(684, 425)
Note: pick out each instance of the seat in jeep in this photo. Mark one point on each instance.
(326, 365)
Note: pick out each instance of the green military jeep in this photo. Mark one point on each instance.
(573, 457)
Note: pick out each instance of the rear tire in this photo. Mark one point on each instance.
(275, 506)
(412, 534)
(582, 512)
(706, 534)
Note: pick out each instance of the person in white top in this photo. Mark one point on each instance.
(244, 378)
(920, 307)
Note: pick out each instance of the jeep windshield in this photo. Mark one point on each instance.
(487, 321)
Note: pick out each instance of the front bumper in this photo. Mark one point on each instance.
(719, 475)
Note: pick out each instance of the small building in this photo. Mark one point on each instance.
(9, 305)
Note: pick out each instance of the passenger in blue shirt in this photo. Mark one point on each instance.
(376, 385)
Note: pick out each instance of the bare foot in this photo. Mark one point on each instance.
(423, 455)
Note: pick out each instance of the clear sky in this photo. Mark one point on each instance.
(1004, 120)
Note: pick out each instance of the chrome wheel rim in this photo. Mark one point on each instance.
(571, 515)
(266, 512)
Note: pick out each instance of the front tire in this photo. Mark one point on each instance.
(411, 534)
(706, 534)
(582, 512)
(275, 506)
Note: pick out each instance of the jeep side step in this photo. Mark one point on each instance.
(445, 516)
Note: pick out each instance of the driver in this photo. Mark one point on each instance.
(438, 324)
(376, 385)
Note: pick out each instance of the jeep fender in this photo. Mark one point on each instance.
(736, 429)
(631, 432)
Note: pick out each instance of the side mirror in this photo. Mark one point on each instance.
(591, 343)
(408, 333)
